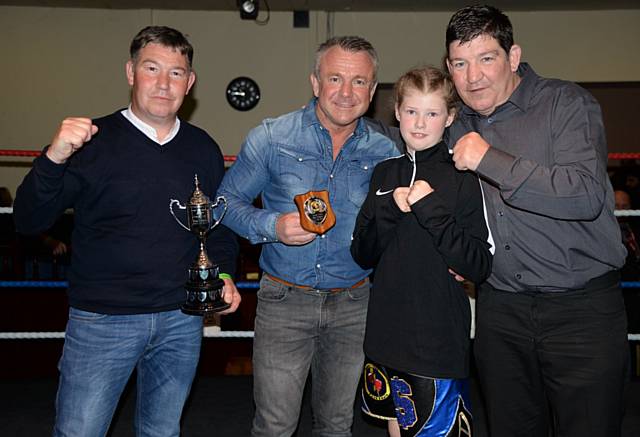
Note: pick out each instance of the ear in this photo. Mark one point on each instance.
(315, 84)
(450, 118)
(397, 112)
(130, 73)
(448, 65)
(372, 91)
(514, 57)
(192, 80)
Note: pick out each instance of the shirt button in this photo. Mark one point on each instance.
(490, 120)
(366, 167)
(318, 266)
(500, 213)
(507, 247)
(322, 236)
(518, 276)
(264, 238)
(299, 159)
(331, 176)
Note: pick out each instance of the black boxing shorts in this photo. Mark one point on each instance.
(422, 406)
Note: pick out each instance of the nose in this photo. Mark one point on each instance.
(474, 72)
(346, 89)
(163, 80)
(421, 122)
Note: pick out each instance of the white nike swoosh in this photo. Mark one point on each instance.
(382, 193)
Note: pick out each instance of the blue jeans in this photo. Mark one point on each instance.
(99, 355)
(298, 330)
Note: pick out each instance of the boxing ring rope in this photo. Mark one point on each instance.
(34, 153)
(207, 331)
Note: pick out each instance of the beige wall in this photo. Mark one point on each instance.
(60, 62)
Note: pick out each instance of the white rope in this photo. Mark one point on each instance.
(206, 333)
(626, 212)
(40, 335)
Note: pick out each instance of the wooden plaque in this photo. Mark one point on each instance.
(316, 214)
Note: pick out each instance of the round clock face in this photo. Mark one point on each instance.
(243, 93)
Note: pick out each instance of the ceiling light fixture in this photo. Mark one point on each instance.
(248, 9)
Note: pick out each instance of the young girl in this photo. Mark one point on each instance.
(422, 227)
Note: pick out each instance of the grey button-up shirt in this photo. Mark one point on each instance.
(548, 196)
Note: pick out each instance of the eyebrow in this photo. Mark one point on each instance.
(174, 67)
(493, 52)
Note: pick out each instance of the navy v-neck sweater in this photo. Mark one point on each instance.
(129, 255)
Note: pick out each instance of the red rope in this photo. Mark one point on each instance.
(25, 153)
(624, 155)
(19, 152)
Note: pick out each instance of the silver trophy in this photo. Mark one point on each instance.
(204, 287)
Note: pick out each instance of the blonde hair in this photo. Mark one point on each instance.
(426, 79)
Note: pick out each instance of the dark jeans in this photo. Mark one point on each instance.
(559, 353)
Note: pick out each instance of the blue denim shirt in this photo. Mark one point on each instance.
(290, 155)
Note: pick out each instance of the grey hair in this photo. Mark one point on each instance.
(353, 44)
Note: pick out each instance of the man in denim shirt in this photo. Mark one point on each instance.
(312, 301)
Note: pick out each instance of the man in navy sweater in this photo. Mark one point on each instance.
(130, 258)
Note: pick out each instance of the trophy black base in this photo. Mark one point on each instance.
(204, 298)
(195, 307)
(204, 309)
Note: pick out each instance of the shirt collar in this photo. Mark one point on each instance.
(439, 149)
(521, 96)
(148, 130)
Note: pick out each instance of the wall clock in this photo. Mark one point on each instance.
(243, 93)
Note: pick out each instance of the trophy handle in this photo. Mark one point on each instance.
(224, 211)
(177, 202)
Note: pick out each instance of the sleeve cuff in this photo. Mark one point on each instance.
(496, 165)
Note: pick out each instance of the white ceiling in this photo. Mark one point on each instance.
(334, 5)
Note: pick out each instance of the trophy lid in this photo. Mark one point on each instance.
(198, 197)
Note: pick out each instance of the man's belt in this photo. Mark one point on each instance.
(306, 287)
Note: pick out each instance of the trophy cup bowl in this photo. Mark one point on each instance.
(203, 286)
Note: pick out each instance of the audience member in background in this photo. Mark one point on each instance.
(628, 228)
(631, 269)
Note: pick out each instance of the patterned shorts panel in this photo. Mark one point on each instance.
(423, 406)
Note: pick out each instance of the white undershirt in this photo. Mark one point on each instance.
(147, 129)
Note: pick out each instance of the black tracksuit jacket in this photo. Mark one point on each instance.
(419, 315)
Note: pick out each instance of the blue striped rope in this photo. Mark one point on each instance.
(65, 284)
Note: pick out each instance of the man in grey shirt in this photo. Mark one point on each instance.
(551, 327)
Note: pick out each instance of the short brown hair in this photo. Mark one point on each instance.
(165, 36)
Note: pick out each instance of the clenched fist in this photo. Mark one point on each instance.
(71, 135)
(418, 190)
(400, 195)
(469, 151)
